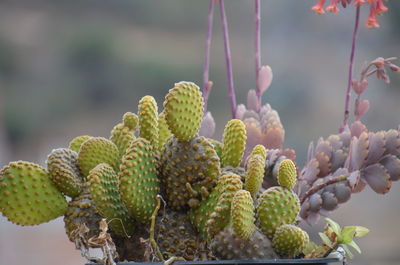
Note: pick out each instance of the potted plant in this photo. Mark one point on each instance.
(160, 188)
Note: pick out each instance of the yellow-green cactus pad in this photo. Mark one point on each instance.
(148, 120)
(227, 245)
(76, 143)
(138, 180)
(164, 132)
(95, 151)
(28, 196)
(183, 107)
(104, 188)
(217, 146)
(81, 211)
(221, 215)
(234, 140)
(130, 120)
(276, 206)
(254, 174)
(187, 170)
(242, 214)
(287, 174)
(259, 150)
(62, 165)
(122, 134)
(289, 241)
(200, 215)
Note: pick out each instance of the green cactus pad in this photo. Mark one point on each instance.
(276, 206)
(220, 217)
(62, 165)
(138, 180)
(187, 171)
(234, 140)
(95, 151)
(148, 120)
(122, 136)
(76, 143)
(176, 236)
(255, 174)
(28, 196)
(164, 132)
(289, 241)
(259, 150)
(130, 120)
(217, 146)
(183, 108)
(287, 174)
(242, 214)
(81, 211)
(104, 188)
(227, 245)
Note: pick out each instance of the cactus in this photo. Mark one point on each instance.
(228, 245)
(62, 165)
(183, 107)
(254, 173)
(287, 174)
(148, 120)
(164, 132)
(188, 171)
(276, 206)
(289, 241)
(28, 196)
(95, 151)
(104, 188)
(76, 143)
(122, 133)
(138, 180)
(242, 214)
(234, 142)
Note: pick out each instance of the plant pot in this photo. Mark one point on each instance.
(323, 261)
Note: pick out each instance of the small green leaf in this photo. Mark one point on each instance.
(348, 252)
(355, 246)
(361, 231)
(347, 234)
(335, 226)
(325, 240)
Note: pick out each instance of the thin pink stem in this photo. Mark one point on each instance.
(348, 91)
(229, 72)
(206, 84)
(257, 46)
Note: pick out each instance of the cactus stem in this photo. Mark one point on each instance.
(318, 187)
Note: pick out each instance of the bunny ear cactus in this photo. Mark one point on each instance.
(104, 188)
(183, 107)
(63, 167)
(122, 133)
(234, 142)
(289, 241)
(76, 143)
(242, 214)
(28, 196)
(287, 174)
(255, 170)
(148, 120)
(95, 151)
(163, 130)
(138, 180)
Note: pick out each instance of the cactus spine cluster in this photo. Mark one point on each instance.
(214, 207)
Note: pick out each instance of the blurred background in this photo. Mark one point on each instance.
(69, 68)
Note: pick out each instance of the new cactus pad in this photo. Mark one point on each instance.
(122, 134)
(276, 206)
(63, 167)
(95, 151)
(287, 174)
(163, 131)
(254, 174)
(289, 241)
(104, 188)
(242, 214)
(234, 143)
(138, 180)
(148, 120)
(28, 196)
(183, 107)
(76, 143)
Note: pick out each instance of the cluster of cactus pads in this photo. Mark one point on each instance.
(213, 207)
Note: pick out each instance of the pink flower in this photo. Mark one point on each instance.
(333, 7)
(319, 7)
